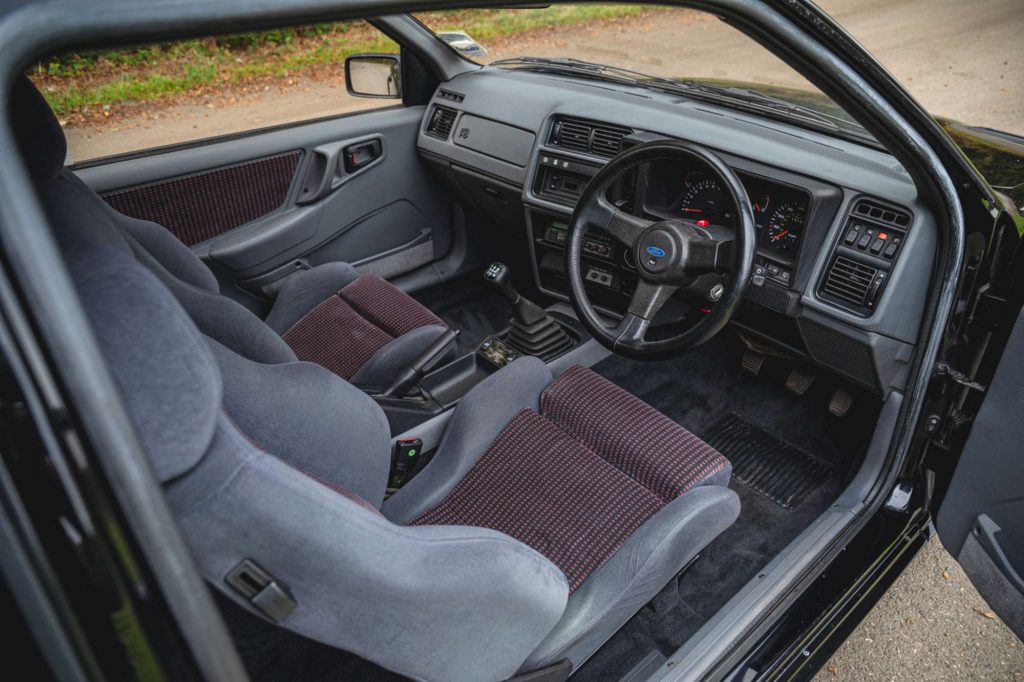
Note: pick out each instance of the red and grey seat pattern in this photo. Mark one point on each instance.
(575, 480)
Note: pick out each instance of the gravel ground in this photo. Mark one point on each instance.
(931, 625)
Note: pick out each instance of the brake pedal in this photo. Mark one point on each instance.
(841, 402)
(799, 381)
(752, 362)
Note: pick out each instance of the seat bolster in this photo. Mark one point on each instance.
(478, 419)
(631, 577)
(311, 419)
(380, 370)
(305, 290)
(420, 601)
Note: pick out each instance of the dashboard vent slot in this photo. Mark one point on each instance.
(441, 121)
(572, 135)
(588, 138)
(450, 95)
(607, 140)
(849, 280)
(884, 214)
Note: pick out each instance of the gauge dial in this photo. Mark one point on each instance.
(785, 226)
(761, 204)
(705, 199)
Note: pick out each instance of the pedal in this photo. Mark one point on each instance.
(752, 362)
(841, 403)
(799, 381)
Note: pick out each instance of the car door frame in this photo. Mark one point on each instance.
(789, 26)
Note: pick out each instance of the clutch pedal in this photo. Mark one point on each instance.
(799, 381)
(841, 402)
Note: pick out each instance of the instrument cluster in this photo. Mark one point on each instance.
(780, 211)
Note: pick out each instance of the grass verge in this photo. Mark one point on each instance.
(91, 84)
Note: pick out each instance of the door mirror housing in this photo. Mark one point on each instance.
(378, 76)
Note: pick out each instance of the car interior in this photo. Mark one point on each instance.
(526, 373)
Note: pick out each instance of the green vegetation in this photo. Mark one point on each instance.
(84, 85)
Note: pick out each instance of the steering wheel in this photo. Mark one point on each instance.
(669, 254)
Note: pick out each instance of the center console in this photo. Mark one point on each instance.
(419, 393)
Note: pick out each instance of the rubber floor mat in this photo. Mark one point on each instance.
(783, 473)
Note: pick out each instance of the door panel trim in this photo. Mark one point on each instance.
(204, 205)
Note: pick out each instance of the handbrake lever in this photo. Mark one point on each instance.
(411, 375)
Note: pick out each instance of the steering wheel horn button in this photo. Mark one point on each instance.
(658, 251)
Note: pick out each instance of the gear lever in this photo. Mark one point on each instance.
(532, 331)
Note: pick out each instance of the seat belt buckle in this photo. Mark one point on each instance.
(404, 460)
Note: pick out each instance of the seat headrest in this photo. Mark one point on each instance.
(168, 378)
(37, 131)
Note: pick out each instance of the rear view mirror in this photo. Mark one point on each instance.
(374, 75)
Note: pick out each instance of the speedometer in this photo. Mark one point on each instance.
(785, 226)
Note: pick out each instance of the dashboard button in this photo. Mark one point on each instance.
(890, 250)
(864, 241)
(876, 247)
(851, 236)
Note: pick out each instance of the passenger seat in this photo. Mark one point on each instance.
(360, 327)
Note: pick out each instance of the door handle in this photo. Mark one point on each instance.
(335, 163)
(361, 155)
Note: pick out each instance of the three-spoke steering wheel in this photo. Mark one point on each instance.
(669, 254)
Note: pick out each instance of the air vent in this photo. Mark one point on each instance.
(588, 138)
(441, 121)
(606, 141)
(450, 95)
(883, 214)
(850, 281)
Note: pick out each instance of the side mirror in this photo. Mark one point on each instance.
(374, 75)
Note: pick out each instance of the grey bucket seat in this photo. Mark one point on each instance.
(360, 327)
(553, 509)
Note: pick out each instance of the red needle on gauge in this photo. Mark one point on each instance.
(692, 210)
(780, 235)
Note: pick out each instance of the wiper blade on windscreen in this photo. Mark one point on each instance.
(576, 67)
(757, 100)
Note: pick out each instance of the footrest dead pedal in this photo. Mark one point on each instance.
(752, 362)
(841, 403)
(799, 381)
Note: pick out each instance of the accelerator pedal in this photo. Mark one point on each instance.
(842, 401)
(799, 381)
(752, 362)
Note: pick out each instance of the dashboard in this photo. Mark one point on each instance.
(844, 244)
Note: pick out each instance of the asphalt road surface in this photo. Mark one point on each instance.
(960, 59)
(931, 625)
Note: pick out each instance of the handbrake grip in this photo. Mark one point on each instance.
(411, 375)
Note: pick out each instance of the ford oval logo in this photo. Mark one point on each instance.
(656, 251)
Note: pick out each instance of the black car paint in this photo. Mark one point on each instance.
(831, 604)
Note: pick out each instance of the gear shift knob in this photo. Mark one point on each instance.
(500, 276)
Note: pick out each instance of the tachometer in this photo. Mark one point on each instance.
(705, 199)
(785, 226)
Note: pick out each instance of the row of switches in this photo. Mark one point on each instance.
(873, 240)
